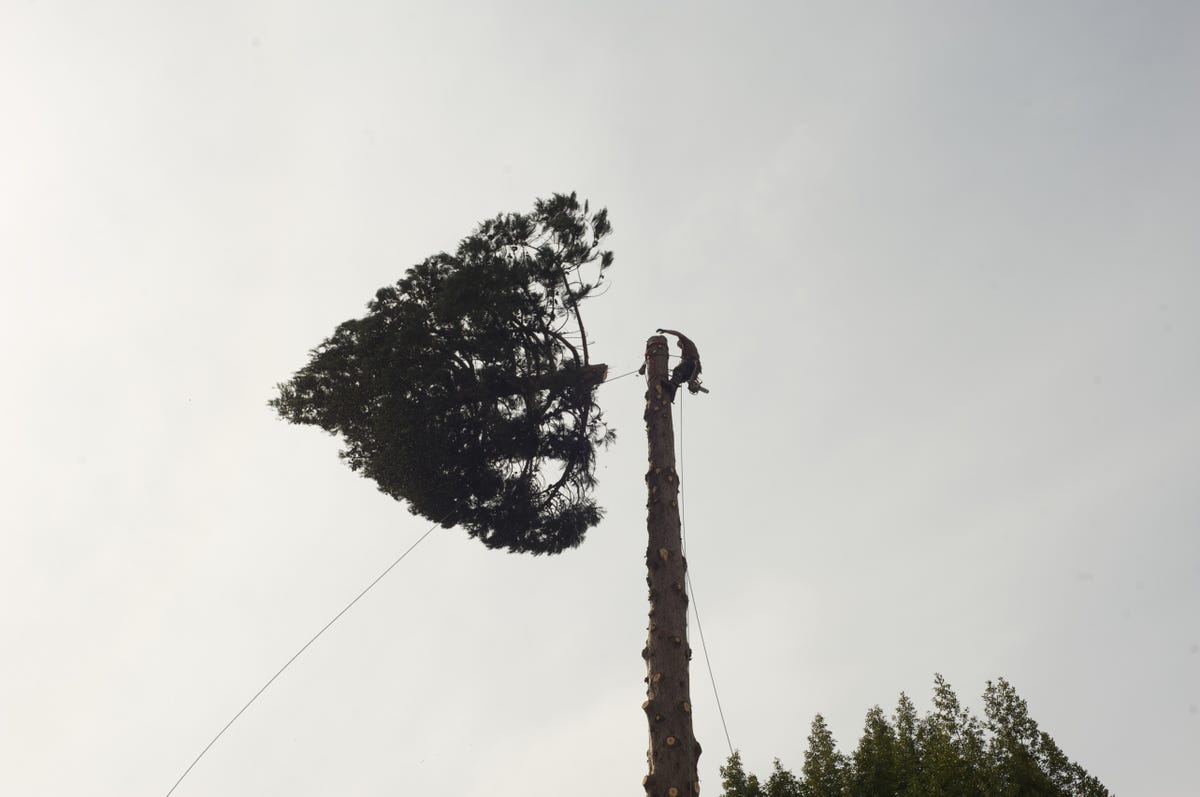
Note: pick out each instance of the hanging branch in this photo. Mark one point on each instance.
(459, 394)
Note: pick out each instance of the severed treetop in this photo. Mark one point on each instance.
(466, 390)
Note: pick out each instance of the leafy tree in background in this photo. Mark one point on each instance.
(466, 389)
(824, 767)
(875, 765)
(735, 781)
(951, 746)
(1025, 759)
(908, 756)
(782, 783)
(949, 752)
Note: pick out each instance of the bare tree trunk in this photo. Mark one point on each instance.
(674, 751)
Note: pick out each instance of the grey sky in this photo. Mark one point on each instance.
(941, 260)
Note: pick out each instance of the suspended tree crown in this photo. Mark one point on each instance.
(466, 390)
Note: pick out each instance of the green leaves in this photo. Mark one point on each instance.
(1025, 759)
(824, 767)
(877, 766)
(947, 752)
(735, 781)
(466, 390)
(782, 782)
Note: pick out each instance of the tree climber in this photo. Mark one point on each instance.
(688, 369)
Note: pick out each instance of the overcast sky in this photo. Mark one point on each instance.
(942, 261)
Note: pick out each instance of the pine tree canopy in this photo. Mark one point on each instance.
(466, 389)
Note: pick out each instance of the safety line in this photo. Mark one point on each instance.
(708, 662)
(301, 650)
(692, 604)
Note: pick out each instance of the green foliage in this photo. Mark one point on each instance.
(824, 767)
(950, 744)
(466, 389)
(782, 782)
(875, 767)
(908, 756)
(735, 781)
(948, 752)
(1025, 759)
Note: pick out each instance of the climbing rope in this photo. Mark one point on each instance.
(692, 604)
(336, 617)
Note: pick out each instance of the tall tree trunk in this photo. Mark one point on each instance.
(674, 751)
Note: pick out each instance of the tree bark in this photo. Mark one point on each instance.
(674, 751)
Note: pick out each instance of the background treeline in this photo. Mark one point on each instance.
(947, 752)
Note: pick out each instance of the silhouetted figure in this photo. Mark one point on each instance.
(688, 369)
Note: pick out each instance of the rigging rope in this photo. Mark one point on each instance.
(622, 376)
(695, 607)
(634, 371)
(301, 650)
